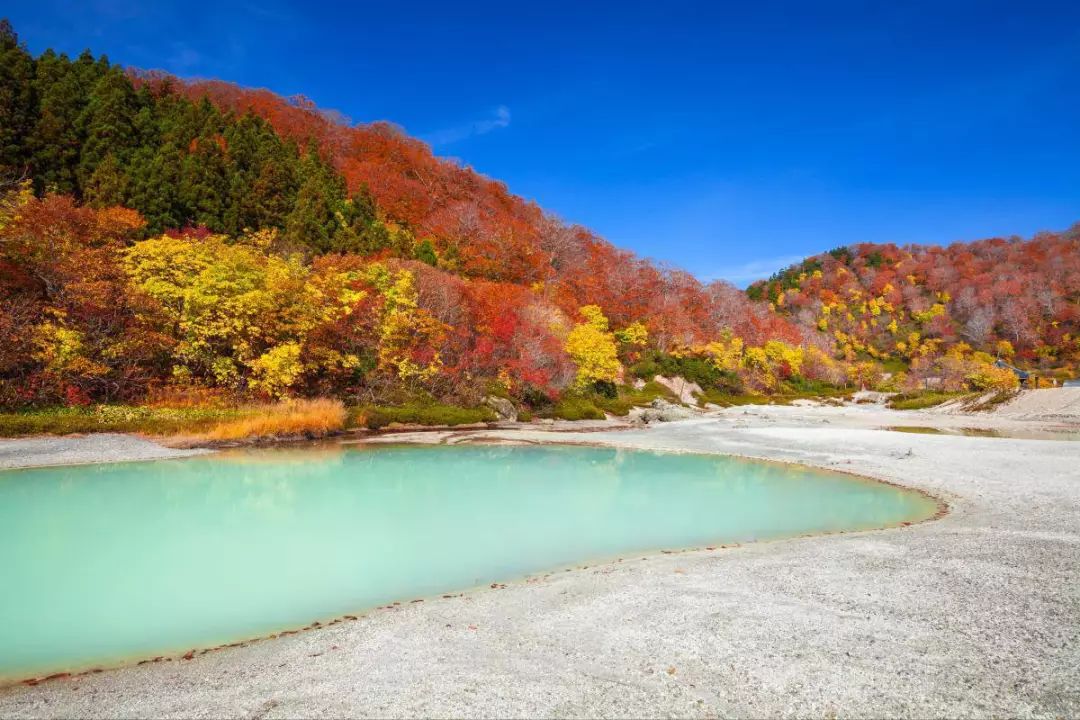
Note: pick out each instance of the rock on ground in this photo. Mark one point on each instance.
(503, 408)
(685, 390)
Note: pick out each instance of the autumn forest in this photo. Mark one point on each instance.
(165, 238)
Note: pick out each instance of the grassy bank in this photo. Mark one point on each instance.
(970, 401)
(922, 399)
(195, 423)
(313, 418)
(379, 416)
(618, 401)
(724, 399)
(115, 418)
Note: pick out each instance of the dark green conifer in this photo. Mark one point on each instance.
(18, 104)
(55, 140)
(262, 175)
(154, 189)
(204, 188)
(109, 122)
(81, 127)
(108, 184)
(425, 252)
(313, 221)
(360, 230)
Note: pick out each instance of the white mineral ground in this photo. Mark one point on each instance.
(974, 614)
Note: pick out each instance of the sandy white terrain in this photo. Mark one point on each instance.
(976, 614)
(1056, 405)
(78, 449)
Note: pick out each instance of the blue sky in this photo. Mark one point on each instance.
(728, 139)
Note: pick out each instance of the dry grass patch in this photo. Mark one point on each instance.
(289, 418)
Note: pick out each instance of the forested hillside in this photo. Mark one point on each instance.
(161, 236)
(1015, 298)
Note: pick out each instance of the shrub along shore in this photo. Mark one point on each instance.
(323, 417)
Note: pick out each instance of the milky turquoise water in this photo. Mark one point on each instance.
(103, 564)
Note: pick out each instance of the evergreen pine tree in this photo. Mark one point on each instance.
(81, 128)
(204, 187)
(425, 253)
(154, 187)
(18, 104)
(274, 191)
(62, 88)
(360, 230)
(262, 175)
(153, 169)
(109, 122)
(108, 185)
(313, 221)
(55, 139)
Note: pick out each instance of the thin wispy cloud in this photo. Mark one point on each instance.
(265, 10)
(748, 272)
(500, 118)
(184, 58)
(118, 9)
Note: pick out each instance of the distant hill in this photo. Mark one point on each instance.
(997, 295)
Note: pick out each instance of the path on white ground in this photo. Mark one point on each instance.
(976, 614)
(1060, 404)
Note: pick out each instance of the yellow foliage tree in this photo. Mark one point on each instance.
(635, 334)
(758, 373)
(409, 336)
(989, 377)
(274, 372)
(14, 200)
(935, 310)
(783, 358)
(229, 306)
(60, 350)
(593, 349)
(725, 353)
(865, 374)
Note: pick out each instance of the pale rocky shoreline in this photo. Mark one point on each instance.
(43, 451)
(973, 615)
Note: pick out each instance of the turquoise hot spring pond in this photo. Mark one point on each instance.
(106, 564)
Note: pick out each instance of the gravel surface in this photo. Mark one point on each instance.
(79, 449)
(973, 615)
